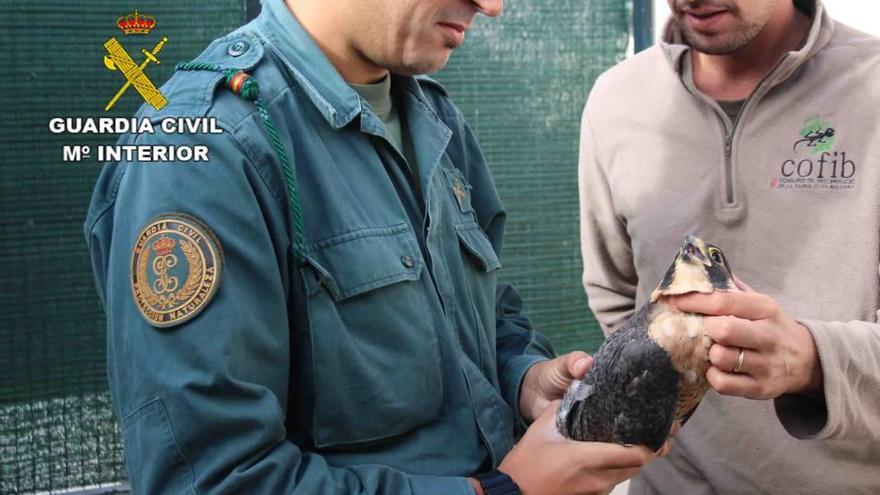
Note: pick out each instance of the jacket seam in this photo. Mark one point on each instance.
(413, 274)
(93, 220)
(249, 151)
(352, 235)
(272, 44)
(186, 461)
(602, 162)
(137, 412)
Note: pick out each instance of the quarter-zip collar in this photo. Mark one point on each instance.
(677, 54)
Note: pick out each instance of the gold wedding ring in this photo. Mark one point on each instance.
(739, 360)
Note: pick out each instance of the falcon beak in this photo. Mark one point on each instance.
(694, 250)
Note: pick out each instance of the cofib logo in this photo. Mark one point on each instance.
(822, 167)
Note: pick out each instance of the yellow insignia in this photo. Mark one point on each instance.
(118, 59)
(176, 266)
(460, 189)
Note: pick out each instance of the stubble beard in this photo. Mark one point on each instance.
(418, 60)
(721, 44)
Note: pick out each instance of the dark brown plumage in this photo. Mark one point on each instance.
(652, 370)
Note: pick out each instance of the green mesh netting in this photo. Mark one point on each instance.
(521, 80)
(57, 429)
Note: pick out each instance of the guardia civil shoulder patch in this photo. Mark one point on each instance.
(176, 266)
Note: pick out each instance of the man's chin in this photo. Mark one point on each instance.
(423, 66)
(712, 45)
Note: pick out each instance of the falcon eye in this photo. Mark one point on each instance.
(716, 256)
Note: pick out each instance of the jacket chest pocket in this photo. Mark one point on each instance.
(479, 265)
(375, 355)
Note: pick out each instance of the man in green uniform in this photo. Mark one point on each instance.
(315, 310)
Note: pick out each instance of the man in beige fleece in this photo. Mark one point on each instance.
(755, 125)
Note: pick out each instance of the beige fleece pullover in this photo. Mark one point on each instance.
(795, 208)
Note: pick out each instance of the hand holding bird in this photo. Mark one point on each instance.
(547, 381)
(543, 462)
(778, 354)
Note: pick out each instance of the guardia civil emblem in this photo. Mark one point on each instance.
(460, 189)
(118, 59)
(176, 266)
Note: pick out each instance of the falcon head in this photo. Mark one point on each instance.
(698, 267)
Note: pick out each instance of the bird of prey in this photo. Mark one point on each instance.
(652, 370)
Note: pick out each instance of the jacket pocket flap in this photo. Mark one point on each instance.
(478, 246)
(365, 259)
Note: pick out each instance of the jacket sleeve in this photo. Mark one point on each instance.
(517, 346)
(610, 277)
(203, 404)
(850, 356)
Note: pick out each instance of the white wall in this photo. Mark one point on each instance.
(860, 14)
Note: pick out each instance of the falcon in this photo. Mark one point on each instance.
(652, 371)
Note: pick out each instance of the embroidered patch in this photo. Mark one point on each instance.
(176, 266)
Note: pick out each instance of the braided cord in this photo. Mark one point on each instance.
(293, 206)
(246, 87)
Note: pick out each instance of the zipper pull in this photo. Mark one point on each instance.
(727, 148)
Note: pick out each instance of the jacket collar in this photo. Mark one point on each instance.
(821, 31)
(328, 91)
(337, 102)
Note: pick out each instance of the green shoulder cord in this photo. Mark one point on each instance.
(246, 87)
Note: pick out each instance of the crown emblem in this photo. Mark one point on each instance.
(163, 246)
(136, 23)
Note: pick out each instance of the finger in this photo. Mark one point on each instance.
(727, 358)
(676, 427)
(736, 332)
(664, 449)
(747, 305)
(736, 384)
(577, 363)
(611, 455)
(742, 285)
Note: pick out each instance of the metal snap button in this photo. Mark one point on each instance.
(238, 48)
(407, 261)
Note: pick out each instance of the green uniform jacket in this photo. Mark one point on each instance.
(388, 362)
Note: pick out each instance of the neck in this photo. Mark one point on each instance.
(735, 76)
(324, 26)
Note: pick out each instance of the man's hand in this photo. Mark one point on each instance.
(545, 463)
(779, 354)
(548, 381)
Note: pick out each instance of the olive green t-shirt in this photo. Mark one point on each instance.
(379, 97)
(731, 108)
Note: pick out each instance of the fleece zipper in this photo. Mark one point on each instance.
(729, 128)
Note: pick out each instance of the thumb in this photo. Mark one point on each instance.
(576, 364)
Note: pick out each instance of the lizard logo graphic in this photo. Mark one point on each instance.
(817, 135)
(820, 161)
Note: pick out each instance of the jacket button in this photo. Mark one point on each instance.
(238, 48)
(407, 261)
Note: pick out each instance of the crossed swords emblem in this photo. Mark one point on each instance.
(119, 59)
